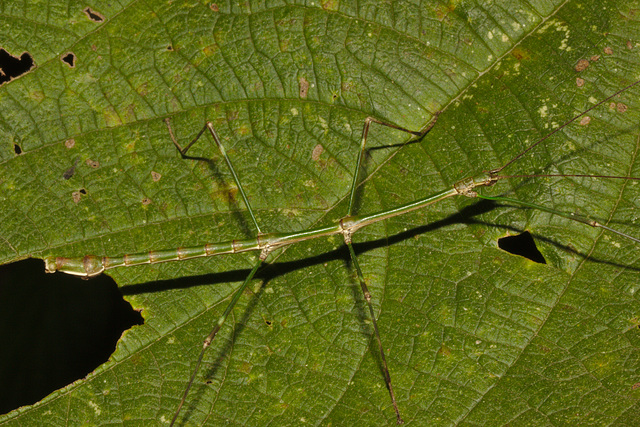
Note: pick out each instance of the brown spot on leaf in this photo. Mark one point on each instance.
(92, 164)
(317, 152)
(304, 87)
(69, 172)
(442, 12)
(622, 108)
(582, 65)
(579, 82)
(520, 53)
(214, 7)
(330, 4)
(233, 115)
(146, 201)
(284, 45)
(155, 176)
(629, 45)
(594, 58)
(608, 51)
(585, 121)
(143, 90)
(70, 143)
(347, 86)
(77, 195)
(211, 49)
(444, 350)
(36, 95)
(635, 386)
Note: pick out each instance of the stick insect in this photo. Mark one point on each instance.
(265, 243)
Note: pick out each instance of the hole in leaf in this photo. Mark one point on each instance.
(54, 329)
(17, 149)
(12, 66)
(69, 59)
(523, 245)
(93, 15)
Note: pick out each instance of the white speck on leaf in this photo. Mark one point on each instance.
(543, 111)
(95, 407)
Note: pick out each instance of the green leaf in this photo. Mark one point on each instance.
(473, 335)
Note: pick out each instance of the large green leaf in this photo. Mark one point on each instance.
(473, 334)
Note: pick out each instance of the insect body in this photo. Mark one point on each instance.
(265, 243)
